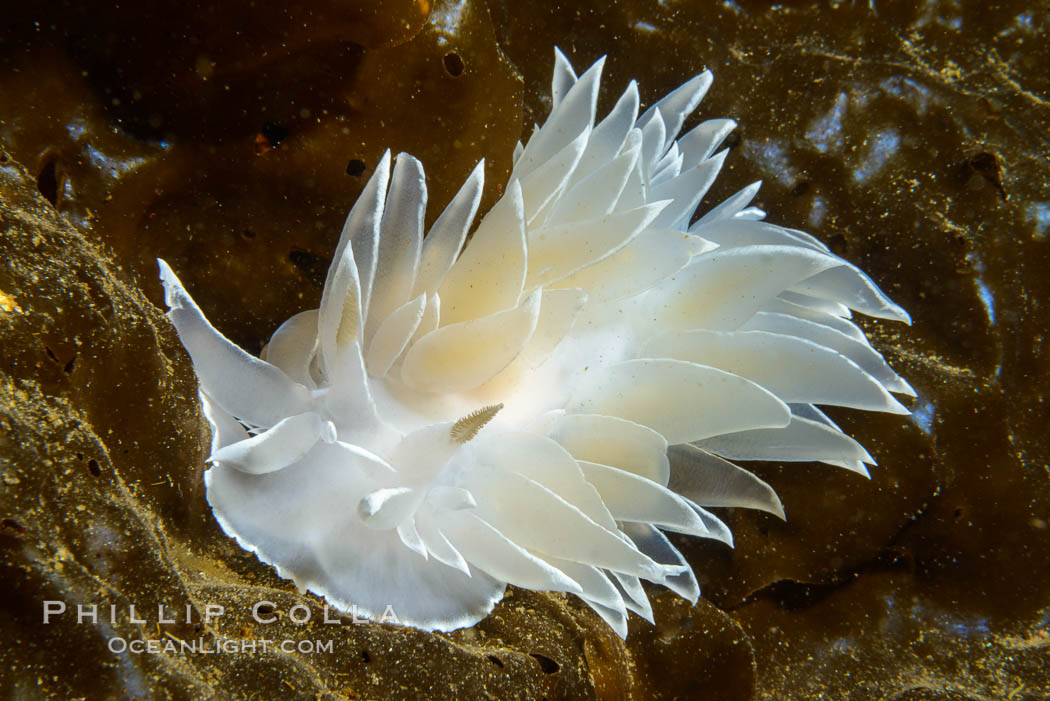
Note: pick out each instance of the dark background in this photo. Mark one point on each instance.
(230, 139)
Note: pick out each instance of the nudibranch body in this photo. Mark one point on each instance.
(538, 407)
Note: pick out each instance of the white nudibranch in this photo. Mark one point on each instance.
(538, 407)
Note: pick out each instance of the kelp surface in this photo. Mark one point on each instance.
(231, 140)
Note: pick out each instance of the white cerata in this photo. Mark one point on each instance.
(539, 406)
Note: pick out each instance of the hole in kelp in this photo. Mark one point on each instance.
(48, 180)
(548, 665)
(93, 467)
(454, 65)
(274, 133)
(496, 661)
(312, 266)
(980, 170)
(355, 167)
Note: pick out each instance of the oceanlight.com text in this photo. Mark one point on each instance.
(200, 646)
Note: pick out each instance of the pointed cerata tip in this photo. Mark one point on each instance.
(170, 282)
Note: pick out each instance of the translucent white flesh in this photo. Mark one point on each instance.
(533, 407)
